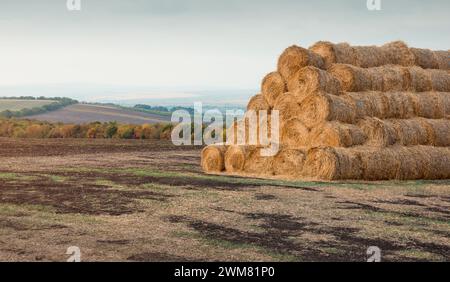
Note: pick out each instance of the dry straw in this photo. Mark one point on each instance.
(390, 78)
(309, 79)
(239, 159)
(321, 107)
(212, 158)
(294, 133)
(336, 134)
(396, 53)
(289, 162)
(257, 103)
(294, 58)
(288, 105)
(443, 58)
(371, 163)
(272, 86)
(332, 163)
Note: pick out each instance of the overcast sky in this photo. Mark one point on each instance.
(207, 44)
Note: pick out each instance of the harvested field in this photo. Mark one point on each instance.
(84, 113)
(132, 200)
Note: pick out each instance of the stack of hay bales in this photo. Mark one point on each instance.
(351, 112)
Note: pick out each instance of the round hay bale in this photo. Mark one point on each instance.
(294, 133)
(257, 164)
(409, 131)
(438, 131)
(420, 80)
(351, 78)
(310, 79)
(289, 162)
(236, 156)
(288, 105)
(440, 80)
(294, 58)
(438, 162)
(394, 78)
(400, 105)
(424, 58)
(258, 103)
(332, 53)
(212, 158)
(444, 101)
(430, 104)
(272, 86)
(378, 133)
(443, 59)
(336, 134)
(322, 107)
(379, 164)
(332, 163)
(398, 53)
(371, 104)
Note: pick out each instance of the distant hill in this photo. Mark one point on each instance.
(20, 104)
(84, 113)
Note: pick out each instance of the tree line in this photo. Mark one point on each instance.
(24, 128)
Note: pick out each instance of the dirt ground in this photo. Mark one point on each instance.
(121, 200)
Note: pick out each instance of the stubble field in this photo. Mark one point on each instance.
(131, 200)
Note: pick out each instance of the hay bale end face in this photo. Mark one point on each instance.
(213, 158)
(349, 112)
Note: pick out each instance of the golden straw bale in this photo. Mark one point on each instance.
(247, 130)
(334, 53)
(378, 164)
(396, 53)
(212, 158)
(235, 157)
(256, 163)
(294, 133)
(272, 86)
(352, 78)
(289, 162)
(332, 163)
(444, 101)
(321, 107)
(390, 78)
(431, 104)
(288, 105)
(409, 131)
(425, 58)
(258, 103)
(440, 80)
(438, 162)
(443, 59)
(400, 105)
(294, 58)
(438, 131)
(371, 103)
(378, 133)
(336, 134)
(420, 80)
(309, 79)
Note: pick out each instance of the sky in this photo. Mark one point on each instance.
(173, 48)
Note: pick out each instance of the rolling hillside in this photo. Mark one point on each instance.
(19, 104)
(82, 113)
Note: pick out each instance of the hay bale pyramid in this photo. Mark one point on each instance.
(349, 112)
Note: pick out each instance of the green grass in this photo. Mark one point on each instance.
(15, 176)
(17, 105)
